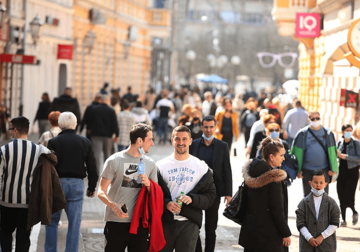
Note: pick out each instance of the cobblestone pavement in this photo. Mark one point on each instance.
(92, 238)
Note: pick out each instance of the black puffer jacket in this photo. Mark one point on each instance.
(265, 223)
(203, 196)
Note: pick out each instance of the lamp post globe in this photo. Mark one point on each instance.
(89, 40)
(35, 28)
(191, 55)
(235, 60)
(224, 59)
(2, 13)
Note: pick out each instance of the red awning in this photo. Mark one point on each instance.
(18, 59)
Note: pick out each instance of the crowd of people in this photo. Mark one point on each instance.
(167, 199)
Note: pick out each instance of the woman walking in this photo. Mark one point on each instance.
(42, 114)
(349, 154)
(227, 124)
(265, 225)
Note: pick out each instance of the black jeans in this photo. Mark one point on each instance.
(181, 236)
(117, 238)
(11, 219)
(307, 177)
(211, 220)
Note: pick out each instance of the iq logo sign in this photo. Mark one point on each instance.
(307, 25)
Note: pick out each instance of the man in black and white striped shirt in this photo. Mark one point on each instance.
(18, 160)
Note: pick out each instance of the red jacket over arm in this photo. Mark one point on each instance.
(154, 201)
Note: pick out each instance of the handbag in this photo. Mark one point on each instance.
(237, 207)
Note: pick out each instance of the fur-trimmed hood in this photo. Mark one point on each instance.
(257, 173)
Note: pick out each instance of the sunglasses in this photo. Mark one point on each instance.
(272, 130)
(11, 129)
(315, 119)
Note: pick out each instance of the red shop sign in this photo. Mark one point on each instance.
(65, 52)
(18, 58)
(307, 25)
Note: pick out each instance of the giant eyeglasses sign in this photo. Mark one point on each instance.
(286, 60)
(349, 99)
(307, 25)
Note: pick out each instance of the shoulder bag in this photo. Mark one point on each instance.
(237, 207)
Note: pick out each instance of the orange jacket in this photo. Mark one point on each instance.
(219, 119)
(150, 202)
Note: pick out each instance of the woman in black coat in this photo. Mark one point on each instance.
(349, 154)
(265, 224)
(42, 114)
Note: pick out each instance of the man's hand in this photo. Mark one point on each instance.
(144, 179)
(227, 200)
(88, 194)
(286, 241)
(173, 207)
(319, 239)
(186, 199)
(299, 175)
(248, 150)
(116, 139)
(331, 173)
(313, 242)
(117, 209)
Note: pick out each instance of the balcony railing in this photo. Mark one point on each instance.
(158, 17)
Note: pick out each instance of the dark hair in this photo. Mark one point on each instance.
(268, 146)
(53, 118)
(138, 104)
(21, 124)
(45, 97)
(208, 118)
(318, 172)
(298, 103)
(226, 100)
(129, 88)
(345, 126)
(139, 130)
(106, 85)
(181, 128)
(125, 105)
(113, 100)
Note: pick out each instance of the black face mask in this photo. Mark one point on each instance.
(196, 119)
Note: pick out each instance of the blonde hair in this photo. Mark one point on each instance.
(186, 109)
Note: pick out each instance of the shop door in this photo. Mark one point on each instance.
(62, 78)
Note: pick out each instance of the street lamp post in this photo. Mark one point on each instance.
(2, 13)
(35, 29)
(235, 60)
(191, 56)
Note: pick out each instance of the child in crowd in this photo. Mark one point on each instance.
(317, 217)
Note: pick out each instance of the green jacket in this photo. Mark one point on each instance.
(299, 146)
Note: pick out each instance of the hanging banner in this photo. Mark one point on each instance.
(349, 99)
(307, 25)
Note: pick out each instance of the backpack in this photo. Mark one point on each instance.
(248, 119)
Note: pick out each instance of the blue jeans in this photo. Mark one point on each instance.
(74, 194)
(162, 128)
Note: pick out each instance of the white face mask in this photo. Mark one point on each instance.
(317, 193)
(315, 124)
